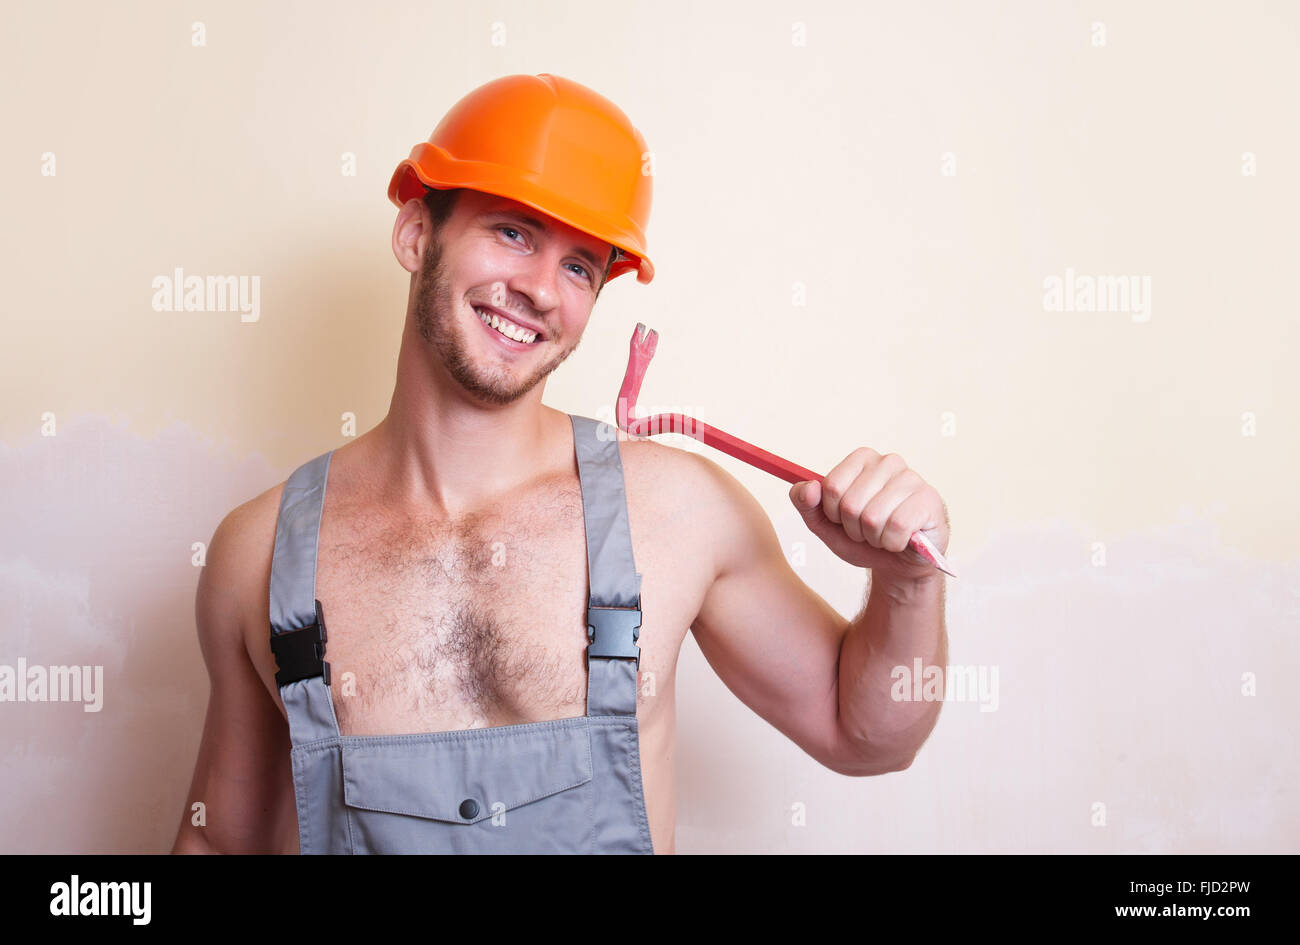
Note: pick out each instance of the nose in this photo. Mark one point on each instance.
(537, 279)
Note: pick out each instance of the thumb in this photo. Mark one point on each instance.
(806, 495)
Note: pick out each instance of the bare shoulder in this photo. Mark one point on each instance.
(670, 468)
(234, 585)
(698, 495)
(668, 474)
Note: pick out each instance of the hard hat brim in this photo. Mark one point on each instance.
(413, 175)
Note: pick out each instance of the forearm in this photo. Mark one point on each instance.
(903, 621)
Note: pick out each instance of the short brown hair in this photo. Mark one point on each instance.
(442, 202)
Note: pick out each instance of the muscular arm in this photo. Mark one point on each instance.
(774, 641)
(243, 776)
(897, 627)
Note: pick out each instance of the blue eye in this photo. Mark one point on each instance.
(582, 269)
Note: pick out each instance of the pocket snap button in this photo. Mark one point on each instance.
(469, 808)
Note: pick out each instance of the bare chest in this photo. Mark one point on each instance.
(437, 627)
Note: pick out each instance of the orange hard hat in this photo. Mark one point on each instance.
(552, 144)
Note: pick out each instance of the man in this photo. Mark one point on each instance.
(477, 605)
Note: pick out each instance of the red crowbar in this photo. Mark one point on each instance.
(641, 350)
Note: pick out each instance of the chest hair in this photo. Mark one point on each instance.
(480, 623)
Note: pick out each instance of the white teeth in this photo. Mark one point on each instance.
(509, 329)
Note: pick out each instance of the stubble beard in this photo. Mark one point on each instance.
(436, 318)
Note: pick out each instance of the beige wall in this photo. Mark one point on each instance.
(801, 150)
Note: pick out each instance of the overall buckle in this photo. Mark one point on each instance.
(300, 654)
(612, 633)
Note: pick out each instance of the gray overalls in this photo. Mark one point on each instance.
(570, 785)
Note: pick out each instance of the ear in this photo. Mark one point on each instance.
(411, 233)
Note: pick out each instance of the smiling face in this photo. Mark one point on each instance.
(503, 255)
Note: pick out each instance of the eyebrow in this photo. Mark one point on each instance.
(539, 225)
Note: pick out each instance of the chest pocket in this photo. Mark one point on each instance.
(508, 789)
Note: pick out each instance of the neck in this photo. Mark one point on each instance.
(442, 452)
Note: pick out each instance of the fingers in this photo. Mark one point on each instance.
(848, 487)
(875, 514)
(911, 513)
(838, 481)
(878, 500)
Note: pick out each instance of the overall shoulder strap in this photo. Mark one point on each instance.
(614, 592)
(297, 621)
